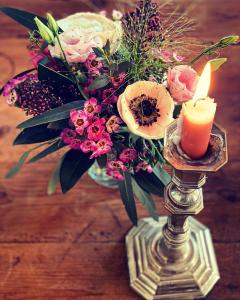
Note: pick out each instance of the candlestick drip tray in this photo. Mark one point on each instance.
(213, 160)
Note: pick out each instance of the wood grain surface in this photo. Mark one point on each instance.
(72, 247)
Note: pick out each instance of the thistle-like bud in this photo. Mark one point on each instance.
(44, 31)
(52, 24)
(229, 40)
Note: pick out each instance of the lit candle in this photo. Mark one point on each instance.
(197, 118)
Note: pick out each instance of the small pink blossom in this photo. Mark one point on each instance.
(118, 80)
(93, 64)
(113, 124)
(109, 97)
(128, 154)
(80, 120)
(96, 129)
(182, 81)
(68, 135)
(87, 146)
(144, 166)
(116, 165)
(75, 144)
(115, 175)
(103, 146)
(178, 57)
(91, 107)
(165, 56)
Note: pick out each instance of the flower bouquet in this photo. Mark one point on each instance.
(104, 90)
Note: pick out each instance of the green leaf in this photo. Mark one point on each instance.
(124, 66)
(177, 110)
(74, 165)
(106, 48)
(49, 150)
(22, 17)
(56, 114)
(18, 166)
(162, 175)
(217, 63)
(102, 161)
(36, 134)
(126, 191)
(99, 82)
(149, 183)
(45, 73)
(98, 52)
(55, 178)
(146, 199)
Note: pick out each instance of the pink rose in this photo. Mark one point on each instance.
(76, 45)
(182, 81)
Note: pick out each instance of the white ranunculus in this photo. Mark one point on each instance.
(82, 31)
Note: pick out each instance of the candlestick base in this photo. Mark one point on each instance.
(154, 276)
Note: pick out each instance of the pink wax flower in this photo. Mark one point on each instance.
(75, 144)
(128, 154)
(165, 55)
(113, 124)
(91, 107)
(114, 169)
(93, 64)
(36, 56)
(96, 129)
(80, 120)
(109, 97)
(103, 146)
(144, 166)
(177, 57)
(182, 81)
(118, 80)
(68, 135)
(116, 165)
(87, 146)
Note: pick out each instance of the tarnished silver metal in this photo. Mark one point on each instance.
(174, 258)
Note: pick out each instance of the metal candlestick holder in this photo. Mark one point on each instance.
(174, 258)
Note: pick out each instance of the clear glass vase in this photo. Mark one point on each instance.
(99, 176)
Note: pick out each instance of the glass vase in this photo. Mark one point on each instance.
(100, 176)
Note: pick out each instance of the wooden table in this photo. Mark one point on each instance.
(72, 247)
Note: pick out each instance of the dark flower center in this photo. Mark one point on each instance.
(145, 110)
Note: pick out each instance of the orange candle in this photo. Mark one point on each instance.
(197, 126)
(197, 118)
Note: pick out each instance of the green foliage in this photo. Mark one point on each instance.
(217, 63)
(49, 150)
(56, 114)
(146, 199)
(22, 17)
(99, 82)
(36, 134)
(74, 165)
(177, 110)
(18, 166)
(45, 73)
(126, 191)
(55, 178)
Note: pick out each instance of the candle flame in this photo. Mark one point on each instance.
(203, 83)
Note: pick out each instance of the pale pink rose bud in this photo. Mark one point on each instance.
(182, 81)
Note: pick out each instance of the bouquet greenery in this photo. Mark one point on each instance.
(104, 89)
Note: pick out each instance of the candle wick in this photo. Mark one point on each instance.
(200, 99)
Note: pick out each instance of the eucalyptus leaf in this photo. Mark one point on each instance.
(126, 191)
(18, 166)
(55, 178)
(217, 63)
(74, 165)
(98, 52)
(149, 183)
(36, 134)
(22, 17)
(45, 73)
(56, 114)
(177, 110)
(146, 199)
(102, 161)
(49, 150)
(99, 82)
(162, 175)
